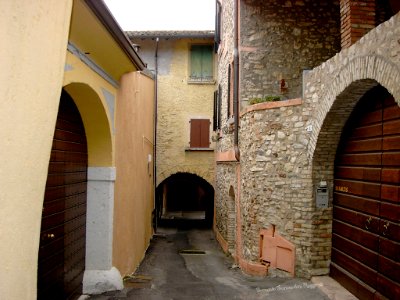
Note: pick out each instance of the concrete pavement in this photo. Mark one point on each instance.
(204, 272)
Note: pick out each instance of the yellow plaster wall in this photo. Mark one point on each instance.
(34, 40)
(87, 89)
(178, 102)
(134, 186)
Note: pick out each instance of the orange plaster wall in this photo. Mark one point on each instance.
(228, 156)
(134, 199)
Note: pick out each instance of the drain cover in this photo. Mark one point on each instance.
(192, 251)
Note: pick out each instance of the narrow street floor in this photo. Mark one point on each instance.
(187, 263)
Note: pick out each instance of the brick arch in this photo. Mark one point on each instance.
(353, 79)
(331, 129)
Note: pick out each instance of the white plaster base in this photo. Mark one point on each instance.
(101, 281)
(100, 276)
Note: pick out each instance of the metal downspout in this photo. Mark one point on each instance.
(155, 133)
(236, 79)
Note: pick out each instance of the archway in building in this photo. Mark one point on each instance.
(63, 226)
(185, 196)
(366, 203)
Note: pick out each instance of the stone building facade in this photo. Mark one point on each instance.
(181, 100)
(288, 148)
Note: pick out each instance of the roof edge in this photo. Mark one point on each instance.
(104, 15)
(170, 34)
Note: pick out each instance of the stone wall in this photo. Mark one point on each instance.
(288, 147)
(279, 39)
(226, 193)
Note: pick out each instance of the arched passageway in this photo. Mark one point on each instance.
(185, 196)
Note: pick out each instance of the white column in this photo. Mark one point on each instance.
(100, 275)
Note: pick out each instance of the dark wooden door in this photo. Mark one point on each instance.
(366, 211)
(63, 229)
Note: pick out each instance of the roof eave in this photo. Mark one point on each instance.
(106, 18)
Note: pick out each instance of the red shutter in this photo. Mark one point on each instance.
(199, 133)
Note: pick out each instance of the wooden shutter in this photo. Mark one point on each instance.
(207, 62)
(217, 36)
(201, 62)
(199, 133)
(195, 59)
(215, 116)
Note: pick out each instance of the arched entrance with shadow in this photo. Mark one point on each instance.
(185, 197)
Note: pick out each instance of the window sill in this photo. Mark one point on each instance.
(199, 149)
(205, 82)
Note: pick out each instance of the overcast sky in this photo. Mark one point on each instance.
(163, 14)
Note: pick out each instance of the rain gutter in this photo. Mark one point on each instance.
(236, 79)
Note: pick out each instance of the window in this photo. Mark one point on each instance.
(199, 133)
(217, 36)
(217, 109)
(201, 63)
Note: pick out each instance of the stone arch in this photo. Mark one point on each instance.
(204, 174)
(97, 126)
(100, 275)
(182, 194)
(353, 79)
(231, 230)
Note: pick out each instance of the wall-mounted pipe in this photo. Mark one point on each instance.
(155, 132)
(236, 78)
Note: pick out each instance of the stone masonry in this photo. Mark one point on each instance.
(288, 147)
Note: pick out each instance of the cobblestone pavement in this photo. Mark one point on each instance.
(203, 272)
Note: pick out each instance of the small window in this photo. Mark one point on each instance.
(201, 63)
(217, 109)
(217, 36)
(199, 133)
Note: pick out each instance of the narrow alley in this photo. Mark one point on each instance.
(185, 262)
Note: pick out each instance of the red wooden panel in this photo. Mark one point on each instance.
(364, 145)
(376, 200)
(389, 249)
(63, 230)
(359, 188)
(368, 159)
(199, 133)
(356, 235)
(391, 127)
(390, 193)
(357, 203)
(391, 113)
(391, 175)
(388, 288)
(205, 133)
(390, 229)
(64, 135)
(351, 283)
(358, 252)
(195, 133)
(367, 131)
(66, 178)
(371, 117)
(391, 159)
(356, 268)
(358, 173)
(391, 143)
(360, 220)
(389, 268)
